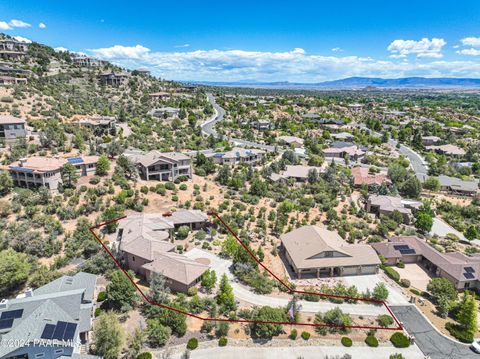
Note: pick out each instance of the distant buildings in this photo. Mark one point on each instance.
(362, 176)
(85, 61)
(456, 185)
(165, 112)
(160, 95)
(262, 125)
(11, 49)
(291, 141)
(462, 270)
(12, 128)
(448, 150)
(343, 136)
(236, 156)
(344, 149)
(60, 310)
(430, 140)
(355, 107)
(143, 72)
(143, 242)
(100, 125)
(299, 173)
(314, 251)
(39, 171)
(386, 205)
(163, 166)
(113, 78)
(10, 80)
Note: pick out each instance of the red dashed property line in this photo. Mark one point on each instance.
(148, 300)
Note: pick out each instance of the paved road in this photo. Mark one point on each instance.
(300, 351)
(419, 165)
(208, 127)
(442, 228)
(430, 341)
(243, 293)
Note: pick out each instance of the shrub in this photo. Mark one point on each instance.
(222, 342)
(192, 343)
(405, 282)
(183, 187)
(305, 335)
(401, 264)
(170, 186)
(145, 355)
(392, 273)
(293, 334)
(400, 340)
(384, 320)
(371, 341)
(101, 296)
(458, 332)
(347, 342)
(98, 312)
(415, 291)
(192, 291)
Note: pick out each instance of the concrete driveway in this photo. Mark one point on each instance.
(430, 341)
(417, 276)
(442, 228)
(221, 266)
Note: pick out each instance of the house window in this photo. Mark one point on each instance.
(133, 258)
(40, 355)
(467, 285)
(329, 254)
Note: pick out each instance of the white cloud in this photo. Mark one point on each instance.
(18, 23)
(119, 51)
(471, 52)
(295, 65)
(22, 39)
(471, 41)
(42, 25)
(60, 48)
(4, 26)
(180, 46)
(337, 49)
(422, 48)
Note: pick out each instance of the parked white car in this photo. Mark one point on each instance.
(475, 346)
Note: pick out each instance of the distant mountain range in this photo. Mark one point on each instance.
(359, 83)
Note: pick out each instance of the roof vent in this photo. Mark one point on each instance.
(22, 161)
(4, 304)
(29, 293)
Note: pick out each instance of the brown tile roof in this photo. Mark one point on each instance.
(176, 266)
(186, 216)
(452, 263)
(152, 157)
(305, 244)
(10, 120)
(46, 164)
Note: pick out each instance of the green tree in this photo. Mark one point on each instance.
(135, 343)
(158, 291)
(121, 293)
(411, 187)
(397, 173)
(209, 278)
(103, 166)
(69, 175)
(380, 292)
(467, 316)
(111, 213)
(14, 270)
(432, 184)
(336, 318)
(108, 336)
(158, 334)
(471, 233)
(225, 297)
(268, 314)
(443, 294)
(423, 221)
(6, 183)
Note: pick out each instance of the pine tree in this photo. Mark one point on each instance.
(467, 316)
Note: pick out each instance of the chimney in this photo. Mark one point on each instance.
(22, 161)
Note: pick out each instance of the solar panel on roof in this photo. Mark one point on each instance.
(59, 330)
(400, 247)
(75, 160)
(407, 251)
(468, 275)
(469, 270)
(48, 331)
(6, 323)
(15, 314)
(70, 331)
(22, 169)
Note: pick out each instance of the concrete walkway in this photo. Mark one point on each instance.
(306, 352)
(442, 228)
(221, 266)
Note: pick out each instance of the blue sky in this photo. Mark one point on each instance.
(305, 41)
